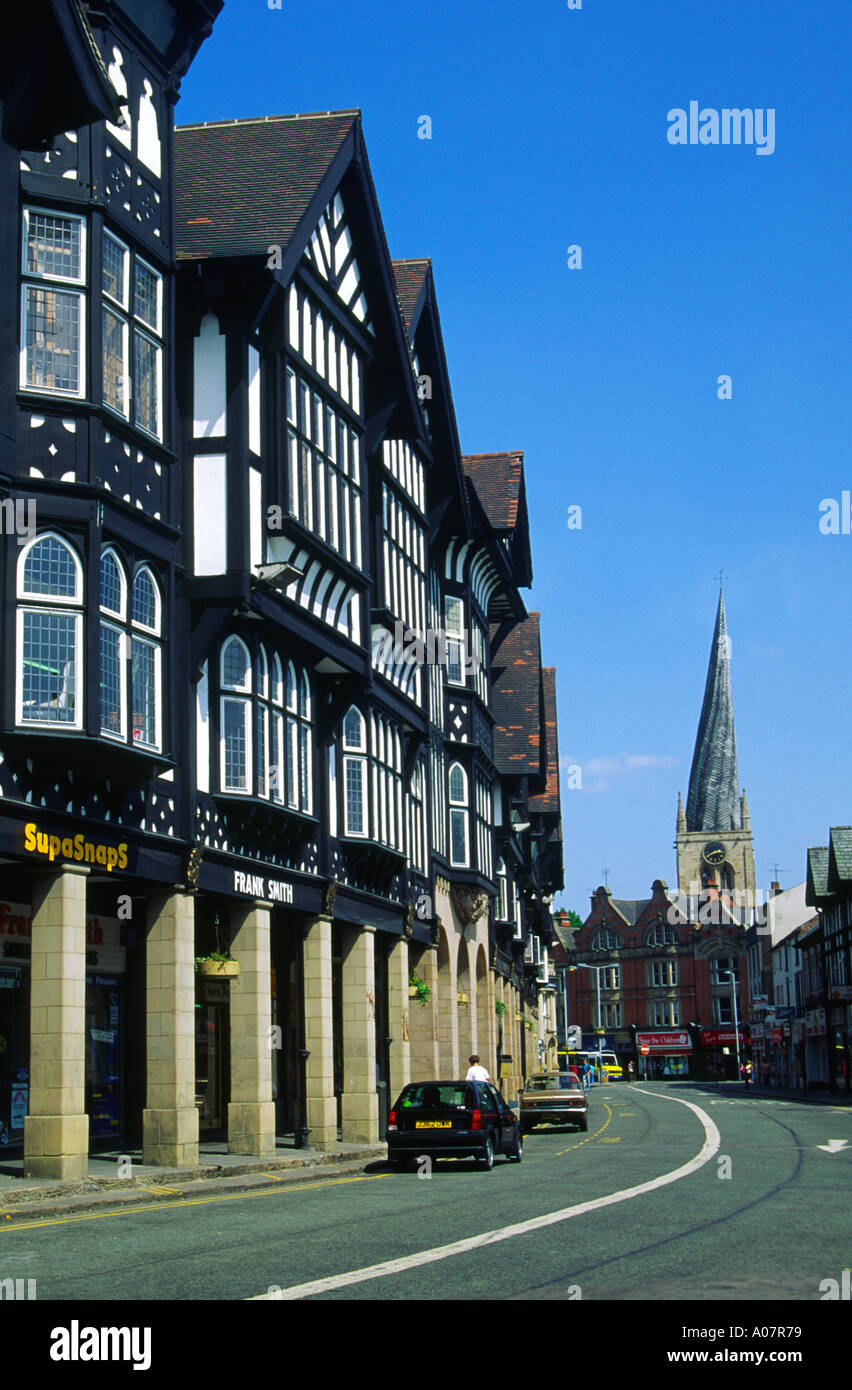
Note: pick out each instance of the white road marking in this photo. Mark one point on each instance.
(834, 1146)
(712, 1141)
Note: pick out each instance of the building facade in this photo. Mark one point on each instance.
(263, 853)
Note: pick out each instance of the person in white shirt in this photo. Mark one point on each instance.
(475, 1071)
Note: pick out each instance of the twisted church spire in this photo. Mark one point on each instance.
(713, 801)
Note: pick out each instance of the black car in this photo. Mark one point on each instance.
(452, 1119)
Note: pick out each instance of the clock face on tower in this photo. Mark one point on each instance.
(714, 852)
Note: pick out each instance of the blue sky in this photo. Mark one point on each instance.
(549, 129)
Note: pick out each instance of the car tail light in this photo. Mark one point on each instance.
(476, 1122)
(392, 1120)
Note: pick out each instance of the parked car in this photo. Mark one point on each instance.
(553, 1097)
(452, 1119)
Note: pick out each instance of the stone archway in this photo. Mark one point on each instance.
(485, 1017)
(423, 1017)
(464, 1001)
(446, 1011)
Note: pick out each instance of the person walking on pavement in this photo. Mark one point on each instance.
(476, 1072)
(630, 1070)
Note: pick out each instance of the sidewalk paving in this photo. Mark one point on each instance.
(217, 1172)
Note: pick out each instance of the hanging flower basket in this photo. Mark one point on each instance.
(418, 988)
(219, 969)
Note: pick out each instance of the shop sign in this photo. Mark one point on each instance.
(103, 938)
(843, 993)
(257, 886)
(776, 1035)
(815, 1023)
(664, 1042)
(716, 1037)
(75, 848)
(756, 1031)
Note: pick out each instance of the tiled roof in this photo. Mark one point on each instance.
(516, 702)
(631, 909)
(243, 186)
(498, 480)
(410, 276)
(840, 855)
(817, 875)
(548, 802)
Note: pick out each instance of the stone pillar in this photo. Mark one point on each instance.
(360, 1102)
(319, 1069)
(399, 1015)
(423, 1022)
(170, 1120)
(56, 1130)
(251, 1110)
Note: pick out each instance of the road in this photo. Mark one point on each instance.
(736, 1200)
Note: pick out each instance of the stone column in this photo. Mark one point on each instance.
(56, 1130)
(170, 1120)
(360, 1103)
(319, 1069)
(399, 1015)
(251, 1110)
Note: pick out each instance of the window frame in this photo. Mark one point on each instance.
(72, 286)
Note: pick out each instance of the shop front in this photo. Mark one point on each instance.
(840, 1010)
(104, 1023)
(662, 1055)
(720, 1048)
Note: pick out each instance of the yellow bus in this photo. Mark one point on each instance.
(605, 1064)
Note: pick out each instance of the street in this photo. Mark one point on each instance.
(736, 1200)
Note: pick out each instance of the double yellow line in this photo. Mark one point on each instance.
(185, 1202)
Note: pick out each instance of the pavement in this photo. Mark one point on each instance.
(120, 1178)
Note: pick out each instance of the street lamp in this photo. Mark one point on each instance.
(733, 980)
(597, 969)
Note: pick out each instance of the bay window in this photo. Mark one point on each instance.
(49, 634)
(53, 311)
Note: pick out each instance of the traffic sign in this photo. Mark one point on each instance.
(644, 1051)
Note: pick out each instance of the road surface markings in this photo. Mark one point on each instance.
(186, 1202)
(710, 1147)
(611, 1141)
(834, 1146)
(589, 1137)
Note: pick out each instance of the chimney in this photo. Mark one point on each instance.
(775, 888)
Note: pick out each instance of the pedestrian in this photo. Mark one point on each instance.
(587, 1076)
(745, 1071)
(630, 1070)
(476, 1072)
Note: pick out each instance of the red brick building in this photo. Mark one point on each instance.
(656, 970)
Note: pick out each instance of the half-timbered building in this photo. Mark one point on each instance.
(263, 855)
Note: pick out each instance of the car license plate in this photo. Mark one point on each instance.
(433, 1124)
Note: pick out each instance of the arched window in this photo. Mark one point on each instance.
(285, 707)
(236, 709)
(50, 633)
(459, 836)
(146, 659)
(113, 647)
(261, 681)
(416, 820)
(502, 904)
(354, 774)
(606, 940)
(661, 934)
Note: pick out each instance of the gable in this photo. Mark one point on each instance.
(331, 253)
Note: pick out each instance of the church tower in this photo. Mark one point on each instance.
(713, 837)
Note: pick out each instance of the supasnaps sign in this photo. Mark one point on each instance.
(74, 847)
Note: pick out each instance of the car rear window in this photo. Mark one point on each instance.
(553, 1083)
(432, 1096)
